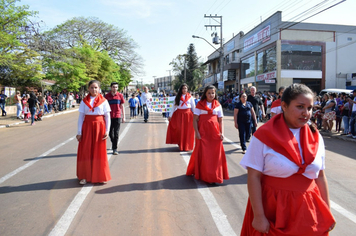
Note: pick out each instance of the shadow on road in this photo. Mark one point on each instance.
(153, 150)
(59, 184)
(52, 156)
(176, 183)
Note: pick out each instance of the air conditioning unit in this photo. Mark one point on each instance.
(348, 77)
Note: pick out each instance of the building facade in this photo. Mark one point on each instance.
(277, 53)
(164, 83)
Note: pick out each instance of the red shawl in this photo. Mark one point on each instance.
(276, 134)
(276, 103)
(202, 105)
(187, 97)
(99, 99)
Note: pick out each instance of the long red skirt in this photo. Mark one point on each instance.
(180, 130)
(293, 206)
(208, 160)
(92, 159)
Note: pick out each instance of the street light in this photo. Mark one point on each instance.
(221, 54)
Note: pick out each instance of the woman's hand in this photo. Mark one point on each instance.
(236, 126)
(79, 137)
(332, 226)
(261, 224)
(169, 118)
(106, 135)
(255, 124)
(197, 135)
(222, 136)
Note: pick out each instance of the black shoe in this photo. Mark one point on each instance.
(145, 121)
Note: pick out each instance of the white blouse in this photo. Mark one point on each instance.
(102, 109)
(269, 162)
(189, 105)
(217, 111)
(276, 110)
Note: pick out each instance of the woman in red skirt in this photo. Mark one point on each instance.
(93, 130)
(285, 161)
(208, 160)
(180, 129)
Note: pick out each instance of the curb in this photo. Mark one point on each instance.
(47, 116)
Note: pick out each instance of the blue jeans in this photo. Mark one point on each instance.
(346, 121)
(352, 123)
(33, 112)
(19, 109)
(145, 112)
(244, 133)
(2, 106)
(132, 111)
(252, 129)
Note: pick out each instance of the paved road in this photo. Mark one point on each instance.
(149, 193)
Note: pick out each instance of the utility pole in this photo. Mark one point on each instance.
(221, 51)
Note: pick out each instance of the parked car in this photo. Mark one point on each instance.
(335, 90)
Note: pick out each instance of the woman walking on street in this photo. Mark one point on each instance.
(208, 160)
(285, 161)
(243, 116)
(93, 130)
(180, 129)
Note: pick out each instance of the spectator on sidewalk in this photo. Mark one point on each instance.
(32, 105)
(257, 107)
(329, 112)
(116, 101)
(353, 116)
(18, 100)
(276, 104)
(139, 107)
(3, 98)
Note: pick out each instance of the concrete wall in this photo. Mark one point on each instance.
(307, 35)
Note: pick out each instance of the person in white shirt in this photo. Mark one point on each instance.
(180, 129)
(93, 130)
(286, 181)
(145, 96)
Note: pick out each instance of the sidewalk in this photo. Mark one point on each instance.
(11, 119)
(333, 134)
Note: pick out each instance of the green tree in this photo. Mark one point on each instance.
(19, 64)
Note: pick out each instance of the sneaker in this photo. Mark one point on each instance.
(349, 135)
(354, 136)
(244, 151)
(115, 152)
(83, 181)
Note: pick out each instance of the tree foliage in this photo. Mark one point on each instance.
(188, 66)
(19, 64)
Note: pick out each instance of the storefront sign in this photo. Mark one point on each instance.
(221, 85)
(266, 76)
(258, 38)
(270, 81)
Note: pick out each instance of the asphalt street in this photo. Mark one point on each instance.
(149, 193)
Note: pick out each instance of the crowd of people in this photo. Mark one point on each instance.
(31, 106)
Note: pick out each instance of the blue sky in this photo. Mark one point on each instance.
(163, 29)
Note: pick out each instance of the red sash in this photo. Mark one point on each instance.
(99, 99)
(202, 105)
(276, 134)
(276, 103)
(187, 97)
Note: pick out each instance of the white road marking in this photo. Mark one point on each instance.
(343, 211)
(216, 212)
(218, 215)
(18, 170)
(67, 218)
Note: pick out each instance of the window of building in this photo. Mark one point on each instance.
(248, 67)
(267, 60)
(301, 57)
(227, 60)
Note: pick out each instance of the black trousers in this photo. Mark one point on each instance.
(114, 131)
